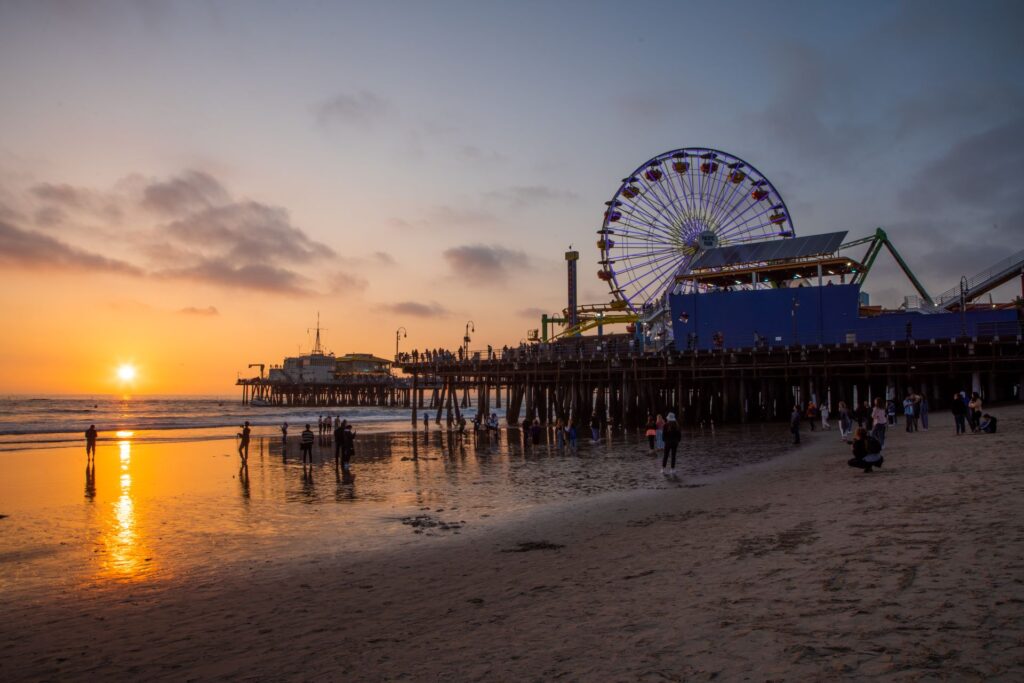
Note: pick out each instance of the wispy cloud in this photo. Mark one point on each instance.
(483, 264)
(362, 109)
(531, 194)
(206, 311)
(260, 277)
(28, 249)
(417, 309)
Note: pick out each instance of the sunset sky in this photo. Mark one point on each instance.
(184, 185)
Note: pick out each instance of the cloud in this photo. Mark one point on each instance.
(28, 249)
(484, 264)
(247, 232)
(62, 198)
(346, 283)
(361, 109)
(257, 276)
(417, 309)
(382, 258)
(531, 194)
(981, 171)
(479, 155)
(192, 310)
(190, 191)
(446, 216)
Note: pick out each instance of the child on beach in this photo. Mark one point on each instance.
(651, 432)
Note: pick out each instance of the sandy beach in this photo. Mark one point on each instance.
(799, 568)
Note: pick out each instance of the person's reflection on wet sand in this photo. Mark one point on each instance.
(344, 478)
(308, 485)
(243, 480)
(90, 479)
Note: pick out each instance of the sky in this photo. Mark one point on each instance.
(184, 186)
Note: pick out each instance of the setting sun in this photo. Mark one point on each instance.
(126, 373)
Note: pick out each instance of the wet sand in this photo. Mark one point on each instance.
(798, 568)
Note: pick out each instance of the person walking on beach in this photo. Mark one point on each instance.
(306, 445)
(878, 421)
(560, 434)
(426, 421)
(595, 428)
(908, 412)
(975, 409)
(659, 432)
(651, 432)
(845, 424)
(959, 411)
(243, 445)
(570, 433)
(794, 424)
(811, 414)
(338, 432)
(824, 416)
(672, 436)
(90, 441)
(348, 443)
(284, 432)
(923, 408)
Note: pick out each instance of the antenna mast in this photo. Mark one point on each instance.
(316, 347)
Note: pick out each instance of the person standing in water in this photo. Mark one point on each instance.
(306, 445)
(672, 435)
(348, 444)
(243, 445)
(339, 431)
(794, 424)
(284, 432)
(90, 441)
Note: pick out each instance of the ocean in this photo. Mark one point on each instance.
(47, 421)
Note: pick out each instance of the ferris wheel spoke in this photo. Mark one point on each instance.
(647, 230)
(661, 278)
(730, 198)
(647, 262)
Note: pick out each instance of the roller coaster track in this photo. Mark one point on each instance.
(982, 283)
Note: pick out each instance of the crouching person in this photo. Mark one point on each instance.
(867, 451)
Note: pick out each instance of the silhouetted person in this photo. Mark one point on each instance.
(671, 435)
(243, 445)
(306, 445)
(348, 444)
(794, 424)
(959, 414)
(90, 441)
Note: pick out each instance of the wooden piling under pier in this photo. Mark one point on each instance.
(722, 385)
(380, 392)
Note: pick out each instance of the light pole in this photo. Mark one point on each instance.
(465, 340)
(399, 333)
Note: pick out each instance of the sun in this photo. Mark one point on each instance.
(126, 373)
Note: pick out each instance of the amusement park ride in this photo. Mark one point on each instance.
(697, 220)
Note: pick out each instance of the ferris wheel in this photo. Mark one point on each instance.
(676, 205)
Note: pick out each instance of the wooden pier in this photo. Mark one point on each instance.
(575, 379)
(347, 391)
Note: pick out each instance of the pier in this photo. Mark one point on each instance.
(726, 385)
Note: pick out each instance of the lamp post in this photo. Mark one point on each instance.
(465, 340)
(399, 333)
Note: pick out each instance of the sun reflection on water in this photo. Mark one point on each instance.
(125, 557)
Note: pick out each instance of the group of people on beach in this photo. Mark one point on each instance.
(873, 419)
(343, 437)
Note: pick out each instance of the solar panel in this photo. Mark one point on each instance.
(772, 250)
